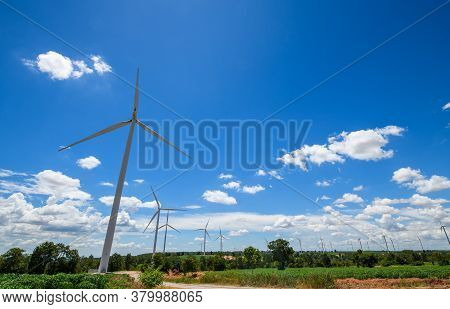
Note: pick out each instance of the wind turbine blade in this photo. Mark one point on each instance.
(208, 234)
(136, 93)
(217, 237)
(199, 230)
(156, 199)
(207, 224)
(150, 221)
(173, 228)
(161, 226)
(155, 134)
(101, 132)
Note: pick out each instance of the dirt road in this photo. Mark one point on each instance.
(174, 285)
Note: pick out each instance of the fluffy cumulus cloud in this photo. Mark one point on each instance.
(232, 185)
(60, 67)
(239, 232)
(413, 179)
(139, 181)
(53, 184)
(349, 198)
(366, 145)
(88, 163)
(272, 174)
(253, 189)
(106, 184)
(446, 106)
(358, 188)
(219, 197)
(131, 203)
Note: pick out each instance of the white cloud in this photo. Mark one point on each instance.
(446, 106)
(232, 185)
(60, 67)
(275, 175)
(358, 188)
(261, 173)
(253, 189)
(139, 181)
(414, 179)
(193, 207)
(225, 176)
(131, 203)
(106, 184)
(239, 232)
(323, 183)
(99, 65)
(88, 163)
(325, 198)
(364, 145)
(349, 198)
(220, 197)
(9, 173)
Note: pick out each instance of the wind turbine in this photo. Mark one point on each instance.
(323, 246)
(387, 247)
(123, 170)
(360, 244)
(167, 225)
(392, 242)
(368, 247)
(157, 215)
(205, 232)
(300, 244)
(221, 237)
(420, 241)
(331, 246)
(443, 230)
(351, 244)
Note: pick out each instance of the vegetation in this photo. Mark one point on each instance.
(65, 281)
(318, 277)
(281, 252)
(151, 278)
(50, 258)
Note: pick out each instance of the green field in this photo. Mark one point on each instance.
(314, 277)
(66, 281)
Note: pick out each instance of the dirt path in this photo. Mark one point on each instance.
(131, 273)
(174, 285)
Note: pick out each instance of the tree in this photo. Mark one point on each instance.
(14, 261)
(116, 263)
(129, 261)
(189, 264)
(281, 252)
(252, 257)
(51, 258)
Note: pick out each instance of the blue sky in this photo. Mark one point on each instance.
(220, 61)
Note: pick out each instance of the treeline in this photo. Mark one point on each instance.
(51, 258)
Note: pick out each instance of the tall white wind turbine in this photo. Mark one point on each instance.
(123, 169)
(167, 225)
(205, 232)
(221, 237)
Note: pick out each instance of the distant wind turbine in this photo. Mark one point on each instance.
(167, 225)
(106, 252)
(420, 241)
(387, 247)
(445, 232)
(360, 244)
(392, 242)
(221, 237)
(300, 244)
(323, 246)
(205, 232)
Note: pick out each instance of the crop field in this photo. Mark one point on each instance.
(317, 277)
(66, 281)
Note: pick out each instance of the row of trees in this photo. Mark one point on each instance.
(51, 258)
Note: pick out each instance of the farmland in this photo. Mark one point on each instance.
(317, 277)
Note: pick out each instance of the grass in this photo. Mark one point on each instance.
(66, 281)
(313, 277)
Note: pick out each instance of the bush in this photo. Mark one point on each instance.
(151, 278)
(189, 265)
(319, 281)
(116, 263)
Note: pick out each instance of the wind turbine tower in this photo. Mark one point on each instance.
(360, 244)
(445, 232)
(107, 246)
(420, 241)
(387, 247)
(221, 237)
(205, 232)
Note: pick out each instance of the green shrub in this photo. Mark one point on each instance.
(319, 281)
(151, 278)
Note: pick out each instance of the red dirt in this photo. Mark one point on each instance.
(410, 283)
